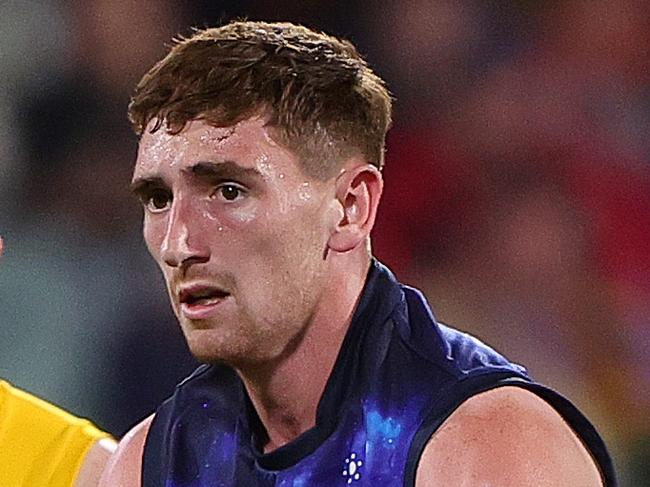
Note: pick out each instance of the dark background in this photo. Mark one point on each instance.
(517, 192)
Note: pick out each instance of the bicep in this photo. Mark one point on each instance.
(125, 465)
(506, 437)
(94, 462)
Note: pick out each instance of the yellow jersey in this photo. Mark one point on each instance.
(40, 444)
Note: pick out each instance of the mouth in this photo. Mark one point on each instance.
(199, 302)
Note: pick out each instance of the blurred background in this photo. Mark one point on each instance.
(517, 192)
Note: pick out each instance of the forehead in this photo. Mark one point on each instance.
(248, 143)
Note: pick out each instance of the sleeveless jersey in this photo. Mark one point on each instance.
(40, 444)
(399, 374)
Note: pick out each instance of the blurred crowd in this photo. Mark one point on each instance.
(517, 192)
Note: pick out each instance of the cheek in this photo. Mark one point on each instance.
(238, 219)
(267, 240)
(153, 233)
(292, 241)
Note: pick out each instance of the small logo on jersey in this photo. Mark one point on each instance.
(352, 468)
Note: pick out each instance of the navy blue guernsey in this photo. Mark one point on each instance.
(398, 376)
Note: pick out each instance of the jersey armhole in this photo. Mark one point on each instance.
(581, 426)
(154, 447)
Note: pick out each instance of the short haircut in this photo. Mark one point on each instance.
(315, 89)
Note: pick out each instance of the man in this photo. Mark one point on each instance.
(44, 446)
(259, 169)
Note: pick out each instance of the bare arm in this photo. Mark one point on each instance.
(94, 462)
(506, 437)
(125, 466)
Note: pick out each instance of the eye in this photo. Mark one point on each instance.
(158, 200)
(229, 192)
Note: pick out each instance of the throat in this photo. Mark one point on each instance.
(286, 396)
(286, 431)
(283, 418)
(286, 393)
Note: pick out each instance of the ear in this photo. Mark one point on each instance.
(358, 190)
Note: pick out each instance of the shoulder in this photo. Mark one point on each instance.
(125, 466)
(508, 437)
(95, 462)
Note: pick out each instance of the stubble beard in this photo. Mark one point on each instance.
(242, 345)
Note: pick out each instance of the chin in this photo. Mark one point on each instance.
(205, 346)
(213, 347)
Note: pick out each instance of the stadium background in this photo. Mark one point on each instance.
(517, 192)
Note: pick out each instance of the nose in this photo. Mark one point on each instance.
(182, 244)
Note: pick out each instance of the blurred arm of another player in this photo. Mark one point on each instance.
(43, 446)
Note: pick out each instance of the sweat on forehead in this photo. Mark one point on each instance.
(247, 144)
(197, 131)
(199, 138)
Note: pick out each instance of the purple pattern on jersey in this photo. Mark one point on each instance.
(396, 368)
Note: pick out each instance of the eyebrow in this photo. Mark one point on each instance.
(141, 186)
(203, 170)
(222, 170)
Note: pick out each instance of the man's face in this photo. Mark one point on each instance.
(240, 234)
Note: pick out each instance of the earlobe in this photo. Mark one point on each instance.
(358, 190)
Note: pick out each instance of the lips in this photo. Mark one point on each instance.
(200, 301)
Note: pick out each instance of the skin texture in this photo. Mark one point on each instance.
(507, 437)
(124, 469)
(265, 248)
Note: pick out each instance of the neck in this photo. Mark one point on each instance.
(286, 393)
